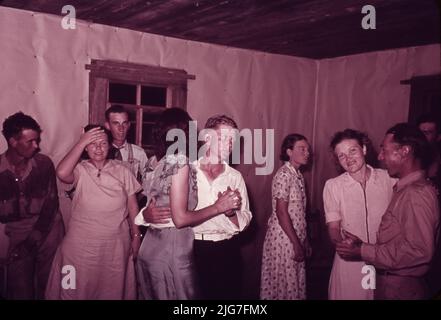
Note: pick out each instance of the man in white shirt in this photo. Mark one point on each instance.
(117, 121)
(217, 252)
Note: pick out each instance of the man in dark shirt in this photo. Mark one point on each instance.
(29, 208)
(429, 125)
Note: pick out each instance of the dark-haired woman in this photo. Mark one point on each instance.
(354, 201)
(95, 259)
(285, 246)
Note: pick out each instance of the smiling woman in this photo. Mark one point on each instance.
(98, 247)
(97, 151)
(354, 201)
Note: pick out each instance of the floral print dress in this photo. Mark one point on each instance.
(282, 278)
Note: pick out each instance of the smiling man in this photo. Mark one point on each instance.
(408, 229)
(28, 207)
(117, 121)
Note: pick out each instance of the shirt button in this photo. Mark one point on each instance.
(16, 179)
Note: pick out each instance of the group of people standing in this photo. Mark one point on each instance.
(193, 211)
(385, 220)
(182, 244)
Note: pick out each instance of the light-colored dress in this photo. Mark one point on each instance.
(282, 278)
(360, 213)
(165, 259)
(94, 259)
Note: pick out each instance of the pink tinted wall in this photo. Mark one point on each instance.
(364, 92)
(43, 74)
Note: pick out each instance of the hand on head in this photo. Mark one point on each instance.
(92, 135)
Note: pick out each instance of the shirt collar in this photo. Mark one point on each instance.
(5, 165)
(373, 177)
(227, 168)
(409, 179)
(123, 146)
(293, 169)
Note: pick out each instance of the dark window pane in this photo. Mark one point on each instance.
(149, 122)
(150, 117)
(122, 93)
(147, 133)
(131, 135)
(153, 96)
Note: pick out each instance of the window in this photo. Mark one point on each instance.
(145, 92)
(425, 96)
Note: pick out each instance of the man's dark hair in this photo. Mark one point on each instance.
(14, 124)
(172, 118)
(406, 134)
(288, 143)
(115, 108)
(215, 121)
(428, 118)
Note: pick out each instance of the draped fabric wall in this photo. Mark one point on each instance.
(43, 74)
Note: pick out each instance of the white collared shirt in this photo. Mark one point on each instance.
(220, 227)
(359, 211)
(139, 158)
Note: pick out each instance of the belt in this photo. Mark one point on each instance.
(210, 237)
(384, 273)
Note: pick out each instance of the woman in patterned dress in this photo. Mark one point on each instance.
(285, 246)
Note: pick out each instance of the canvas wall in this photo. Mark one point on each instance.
(42, 73)
(364, 92)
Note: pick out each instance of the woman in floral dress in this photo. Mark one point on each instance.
(285, 246)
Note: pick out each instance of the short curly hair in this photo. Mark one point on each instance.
(217, 120)
(406, 134)
(362, 139)
(16, 123)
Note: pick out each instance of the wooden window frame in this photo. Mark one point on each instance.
(422, 91)
(102, 72)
